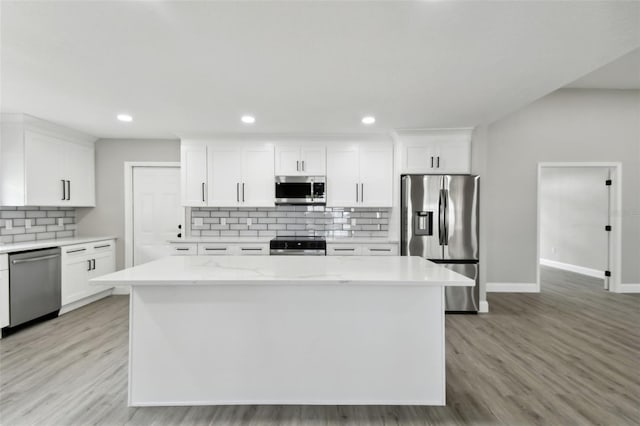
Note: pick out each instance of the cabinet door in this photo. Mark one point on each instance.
(193, 173)
(376, 175)
(420, 159)
(344, 250)
(44, 159)
(343, 185)
(313, 160)
(4, 298)
(258, 185)
(75, 277)
(104, 263)
(287, 160)
(79, 171)
(225, 175)
(453, 156)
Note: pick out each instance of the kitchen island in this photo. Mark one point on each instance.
(218, 330)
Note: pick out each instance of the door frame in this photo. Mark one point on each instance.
(128, 204)
(615, 212)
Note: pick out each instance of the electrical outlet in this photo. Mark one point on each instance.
(223, 221)
(248, 221)
(8, 224)
(27, 223)
(198, 221)
(377, 215)
(353, 221)
(60, 221)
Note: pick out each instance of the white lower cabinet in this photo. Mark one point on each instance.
(220, 249)
(4, 291)
(80, 263)
(373, 249)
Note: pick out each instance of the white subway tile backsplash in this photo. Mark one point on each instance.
(291, 221)
(43, 223)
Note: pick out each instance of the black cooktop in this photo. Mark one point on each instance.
(303, 243)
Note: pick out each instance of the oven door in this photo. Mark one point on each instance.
(297, 252)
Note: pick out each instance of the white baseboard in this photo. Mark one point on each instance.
(121, 290)
(512, 288)
(484, 307)
(629, 288)
(573, 268)
(80, 303)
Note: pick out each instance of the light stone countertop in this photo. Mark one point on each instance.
(240, 240)
(287, 270)
(34, 245)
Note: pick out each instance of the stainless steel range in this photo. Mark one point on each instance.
(298, 246)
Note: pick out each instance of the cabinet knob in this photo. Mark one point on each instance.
(179, 235)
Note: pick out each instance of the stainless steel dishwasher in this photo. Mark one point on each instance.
(34, 285)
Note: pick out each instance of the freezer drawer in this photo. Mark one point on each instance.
(463, 299)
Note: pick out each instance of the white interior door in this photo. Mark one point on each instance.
(156, 211)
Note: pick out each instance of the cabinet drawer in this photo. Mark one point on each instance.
(76, 250)
(343, 250)
(215, 250)
(380, 250)
(184, 249)
(103, 246)
(4, 262)
(253, 249)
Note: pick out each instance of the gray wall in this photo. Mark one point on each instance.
(569, 125)
(574, 207)
(107, 218)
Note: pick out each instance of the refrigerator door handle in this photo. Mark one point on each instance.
(441, 217)
(445, 218)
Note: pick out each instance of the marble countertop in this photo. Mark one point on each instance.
(34, 245)
(240, 240)
(287, 270)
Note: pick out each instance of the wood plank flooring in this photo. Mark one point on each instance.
(567, 356)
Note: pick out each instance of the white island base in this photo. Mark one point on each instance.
(272, 334)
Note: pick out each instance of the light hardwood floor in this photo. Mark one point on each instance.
(569, 355)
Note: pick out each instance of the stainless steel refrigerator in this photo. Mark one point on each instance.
(439, 219)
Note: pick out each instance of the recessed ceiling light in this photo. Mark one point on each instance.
(248, 119)
(369, 119)
(125, 117)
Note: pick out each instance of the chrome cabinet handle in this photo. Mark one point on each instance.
(64, 189)
(76, 250)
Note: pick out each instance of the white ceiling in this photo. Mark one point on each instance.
(192, 68)
(623, 73)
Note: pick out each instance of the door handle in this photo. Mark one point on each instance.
(445, 218)
(357, 199)
(64, 189)
(438, 163)
(432, 162)
(76, 250)
(89, 267)
(243, 192)
(203, 192)
(68, 190)
(440, 217)
(362, 192)
(238, 192)
(303, 165)
(94, 264)
(298, 165)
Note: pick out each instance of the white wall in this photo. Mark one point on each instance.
(574, 209)
(107, 218)
(569, 125)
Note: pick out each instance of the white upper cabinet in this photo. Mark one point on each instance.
(300, 160)
(360, 175)
(227, 174)
(42, 164)
(446, 151)
(193, 173)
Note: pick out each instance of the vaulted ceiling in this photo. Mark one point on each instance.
(193, 68)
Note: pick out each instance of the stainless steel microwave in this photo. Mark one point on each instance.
(309, 190)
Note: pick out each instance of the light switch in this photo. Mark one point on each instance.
(60, 221)
(8, 224)
(27, 223)
(198, 221)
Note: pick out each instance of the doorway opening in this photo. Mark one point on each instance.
(579, 211)
(153, 212)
